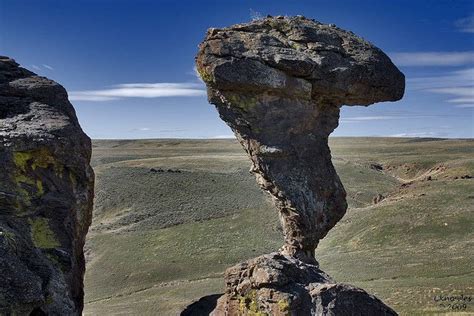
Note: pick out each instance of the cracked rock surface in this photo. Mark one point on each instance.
(279, 83)
(46, 193)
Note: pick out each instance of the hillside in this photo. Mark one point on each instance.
(171, 215)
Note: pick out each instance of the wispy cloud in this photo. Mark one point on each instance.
(368, 118)
(458, 78)
(394, 116)
(158, 132)
(141, 129)
(466, 24)
(417, 134)
(229, 136)
(463, 92)
(457, 84)
(460, 94)
(433, 58)
(139, 90)
(42, 67)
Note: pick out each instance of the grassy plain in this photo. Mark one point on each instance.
(162, 239)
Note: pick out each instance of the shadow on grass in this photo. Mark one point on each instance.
(203, 307)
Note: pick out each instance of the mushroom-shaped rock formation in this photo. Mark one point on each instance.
(279, 84)
(46, 193)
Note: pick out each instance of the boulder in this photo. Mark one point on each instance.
(46, 193)
(276, 284)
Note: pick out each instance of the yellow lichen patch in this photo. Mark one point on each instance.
(21, 178)
(246, 103)
(242, 305)
(205, 76)
(248, 304)
(37, 158)
(42, 235)
(39, 186)
(23, 181)
(23, 193)
(21, 159)
(284, 306)
(27, 162)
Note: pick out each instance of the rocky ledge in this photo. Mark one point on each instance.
(46, 193)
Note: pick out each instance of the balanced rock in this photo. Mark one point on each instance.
(46, 193)
(279, 83)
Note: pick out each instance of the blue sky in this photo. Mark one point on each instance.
(128, 65)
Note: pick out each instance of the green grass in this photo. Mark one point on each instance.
(160, 241)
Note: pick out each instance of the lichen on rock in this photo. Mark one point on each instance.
(46, 192)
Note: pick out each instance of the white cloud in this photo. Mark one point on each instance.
(35, 67)
(229, 136)
(139, 90)
(433, 58)
(392, 116)
(357, 119)
(467, 105)
(457, 84)
(369, 118)
(463, 92)
(48, 67)
(416, 134)
(459, 78)
(466, 24)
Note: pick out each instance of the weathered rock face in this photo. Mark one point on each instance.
(46, 192)
(279, 84)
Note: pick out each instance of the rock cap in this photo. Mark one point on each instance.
(301, 57)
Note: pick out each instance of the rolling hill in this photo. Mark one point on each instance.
(171, 215)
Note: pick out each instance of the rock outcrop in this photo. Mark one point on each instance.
(46, 193)
(279, 84)
(280, 285)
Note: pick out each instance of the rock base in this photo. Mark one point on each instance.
(275, 284)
